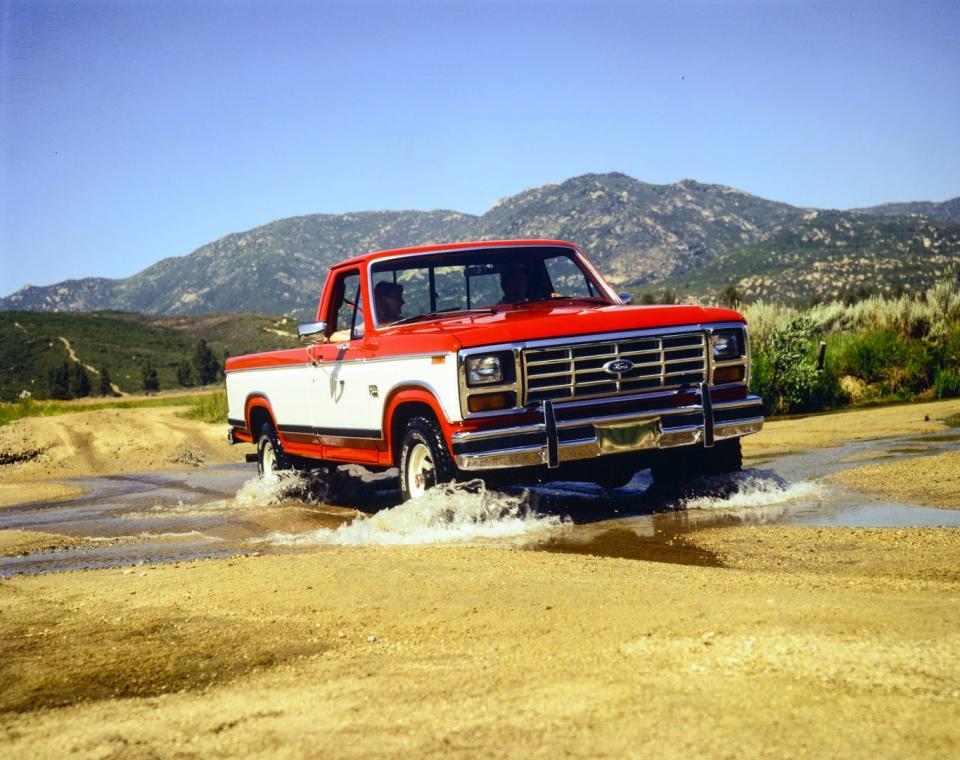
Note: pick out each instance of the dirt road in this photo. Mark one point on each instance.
(787, 641)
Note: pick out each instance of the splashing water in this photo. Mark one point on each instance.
(753, 492)
(270, 490)
(451, 513)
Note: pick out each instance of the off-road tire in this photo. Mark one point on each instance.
(270, 455)
(424, 454)
(675, 466)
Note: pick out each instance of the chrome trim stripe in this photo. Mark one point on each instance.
(270, 367)
(358, 360)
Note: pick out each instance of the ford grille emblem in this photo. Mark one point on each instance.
(618, 366)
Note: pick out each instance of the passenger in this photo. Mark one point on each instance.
(388, 300)
(513, 282)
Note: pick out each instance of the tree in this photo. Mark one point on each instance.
(150, 380)
(647, 298)
(58, 381)
(205, 363)
(667, 297)
(106, 387)
(184, 374)
(729, 297)
(78, 381)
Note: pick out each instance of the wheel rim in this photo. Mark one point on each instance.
(269, 460)
(419, 470)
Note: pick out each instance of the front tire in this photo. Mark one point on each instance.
(676, 466)
(271, 458)
(424, 459)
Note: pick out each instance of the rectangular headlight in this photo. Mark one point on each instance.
(484, 370)
(727, 345)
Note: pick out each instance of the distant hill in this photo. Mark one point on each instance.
(637, 233)
(948, 211)
(31, 343)
(828, 253)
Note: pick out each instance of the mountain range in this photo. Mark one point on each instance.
(695, 237)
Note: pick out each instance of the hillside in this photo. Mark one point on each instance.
(637, 233)
(634, 230)
(948, 211)
(830, 252)
(32, 343)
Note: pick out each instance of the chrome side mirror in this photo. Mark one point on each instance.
(625, 298)
(312, 332)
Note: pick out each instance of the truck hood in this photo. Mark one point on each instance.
(526, 322)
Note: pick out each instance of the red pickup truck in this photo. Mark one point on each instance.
(489, 358)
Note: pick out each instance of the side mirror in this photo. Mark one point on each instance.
(312, 332)
(626, 298)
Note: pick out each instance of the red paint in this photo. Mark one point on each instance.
(508, 324)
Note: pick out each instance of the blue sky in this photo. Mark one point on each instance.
(139, 130)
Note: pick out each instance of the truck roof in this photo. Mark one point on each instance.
(452, 247)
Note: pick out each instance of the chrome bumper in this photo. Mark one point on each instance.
(565, 436)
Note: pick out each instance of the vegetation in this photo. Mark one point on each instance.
(877, 348)
(210, 408)
(41, 353)
(28, 407)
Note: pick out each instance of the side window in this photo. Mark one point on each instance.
(345, 313)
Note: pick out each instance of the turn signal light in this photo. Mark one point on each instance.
(489, 402)
(728, 374)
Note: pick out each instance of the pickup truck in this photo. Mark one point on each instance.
(497, 359)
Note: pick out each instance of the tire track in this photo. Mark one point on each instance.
(88, 367)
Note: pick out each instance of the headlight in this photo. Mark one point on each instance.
(484, 370)
(727, 344)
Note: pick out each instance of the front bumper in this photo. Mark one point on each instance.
(584, 430)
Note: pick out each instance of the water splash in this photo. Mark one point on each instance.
(451, 513)
(755, 491)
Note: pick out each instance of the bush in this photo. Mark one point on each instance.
(947, 383)
(896, 364)
(785, 374)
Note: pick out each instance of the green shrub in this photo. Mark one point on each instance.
(947, 383)
(898, 365)
(785, 374)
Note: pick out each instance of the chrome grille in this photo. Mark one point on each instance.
(576, 371)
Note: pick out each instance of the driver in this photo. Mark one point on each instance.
(513, 282)
(388, 301)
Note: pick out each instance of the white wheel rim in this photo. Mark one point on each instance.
(419, 466)
(269, 460)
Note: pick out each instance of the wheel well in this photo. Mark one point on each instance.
(258, 416)
(401, 416)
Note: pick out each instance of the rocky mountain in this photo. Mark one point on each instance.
(829, 253)
(948, 211)
(636, 232)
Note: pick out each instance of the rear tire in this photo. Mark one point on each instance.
(424, 459)
(271, 458)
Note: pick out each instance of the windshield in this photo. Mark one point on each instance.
(413, 286)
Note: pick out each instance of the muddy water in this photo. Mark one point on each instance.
(225, 510)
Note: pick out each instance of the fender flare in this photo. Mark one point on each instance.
(254, 400)
(404, 394)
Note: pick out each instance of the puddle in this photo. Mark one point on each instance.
(225, 510)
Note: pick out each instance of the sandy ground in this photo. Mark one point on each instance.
(103, 442)
(933, 480)
(804, 642)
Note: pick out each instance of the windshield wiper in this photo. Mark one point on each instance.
(441, 313)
